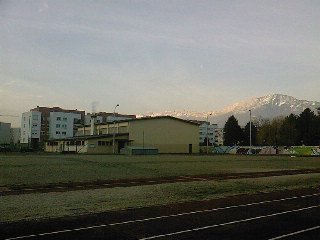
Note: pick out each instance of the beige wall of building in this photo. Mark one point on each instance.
(167, 134)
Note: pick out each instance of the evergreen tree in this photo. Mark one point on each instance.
(306, 126)
(288, 131)
(232, 132)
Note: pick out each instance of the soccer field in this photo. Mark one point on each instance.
(29, 170)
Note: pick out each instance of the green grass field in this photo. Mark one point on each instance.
(59, 204)
(29, 170)
(49, 169)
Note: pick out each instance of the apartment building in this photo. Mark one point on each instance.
(207, 130)
(42, 123)
(30, 129)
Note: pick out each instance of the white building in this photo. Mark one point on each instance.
(219, 136)
(5, 133)
(207, 130)
(61, 124)
(30, 128)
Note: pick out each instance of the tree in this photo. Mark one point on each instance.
(232, 132)
(269, 132)
(288, 131)
(246, 133)
(306, 126)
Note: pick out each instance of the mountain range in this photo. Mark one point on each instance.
(266, 107)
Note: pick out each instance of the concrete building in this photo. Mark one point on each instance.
(207, 130)
(219, 136)
(30, 129)
(62, 124)
(40, 123)
(104, 117)
(165, 133)
(5, 133)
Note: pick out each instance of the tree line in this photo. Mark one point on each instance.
(292, 130)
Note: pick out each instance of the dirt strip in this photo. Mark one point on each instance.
(73, 186)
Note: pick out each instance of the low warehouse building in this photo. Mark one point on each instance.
(165, 133)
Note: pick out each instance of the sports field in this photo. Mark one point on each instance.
(34, 171)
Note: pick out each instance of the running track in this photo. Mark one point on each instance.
(283, 215)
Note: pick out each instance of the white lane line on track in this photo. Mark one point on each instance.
(295, 233)
(212, 210)
(165, 216)
(228, 223)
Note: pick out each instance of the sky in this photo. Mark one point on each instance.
(155, 55)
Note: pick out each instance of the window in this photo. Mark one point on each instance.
(57, 125)
(103, 143)
(57, 132)
(34, 125)
(58, 118)
(65, 119)
(64, 126)
(64, 133)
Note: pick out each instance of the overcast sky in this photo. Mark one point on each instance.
(156, 55)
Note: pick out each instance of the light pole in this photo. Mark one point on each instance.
(207, 131)
(114, 128)
(250, 132)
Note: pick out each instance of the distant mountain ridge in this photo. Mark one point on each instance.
(269, 106)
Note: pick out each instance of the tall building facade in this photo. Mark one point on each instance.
(207, 130)
(30, 129)
(62, 124)
(42, 123)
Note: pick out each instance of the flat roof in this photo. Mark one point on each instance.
(151, 118)
(86, 137)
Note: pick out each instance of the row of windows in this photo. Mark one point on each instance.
(64, 126)
(104, 143)
(73, 143)
(64, 119)
(52, 143)
(63, 133)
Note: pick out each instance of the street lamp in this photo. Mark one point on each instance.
(207, 131)
(114, 128)
(250, 132)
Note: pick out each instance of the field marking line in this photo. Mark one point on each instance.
(294, 233)
(228, 223)
(164, 216)
(213, 209)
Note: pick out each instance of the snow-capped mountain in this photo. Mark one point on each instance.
(269, 106)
